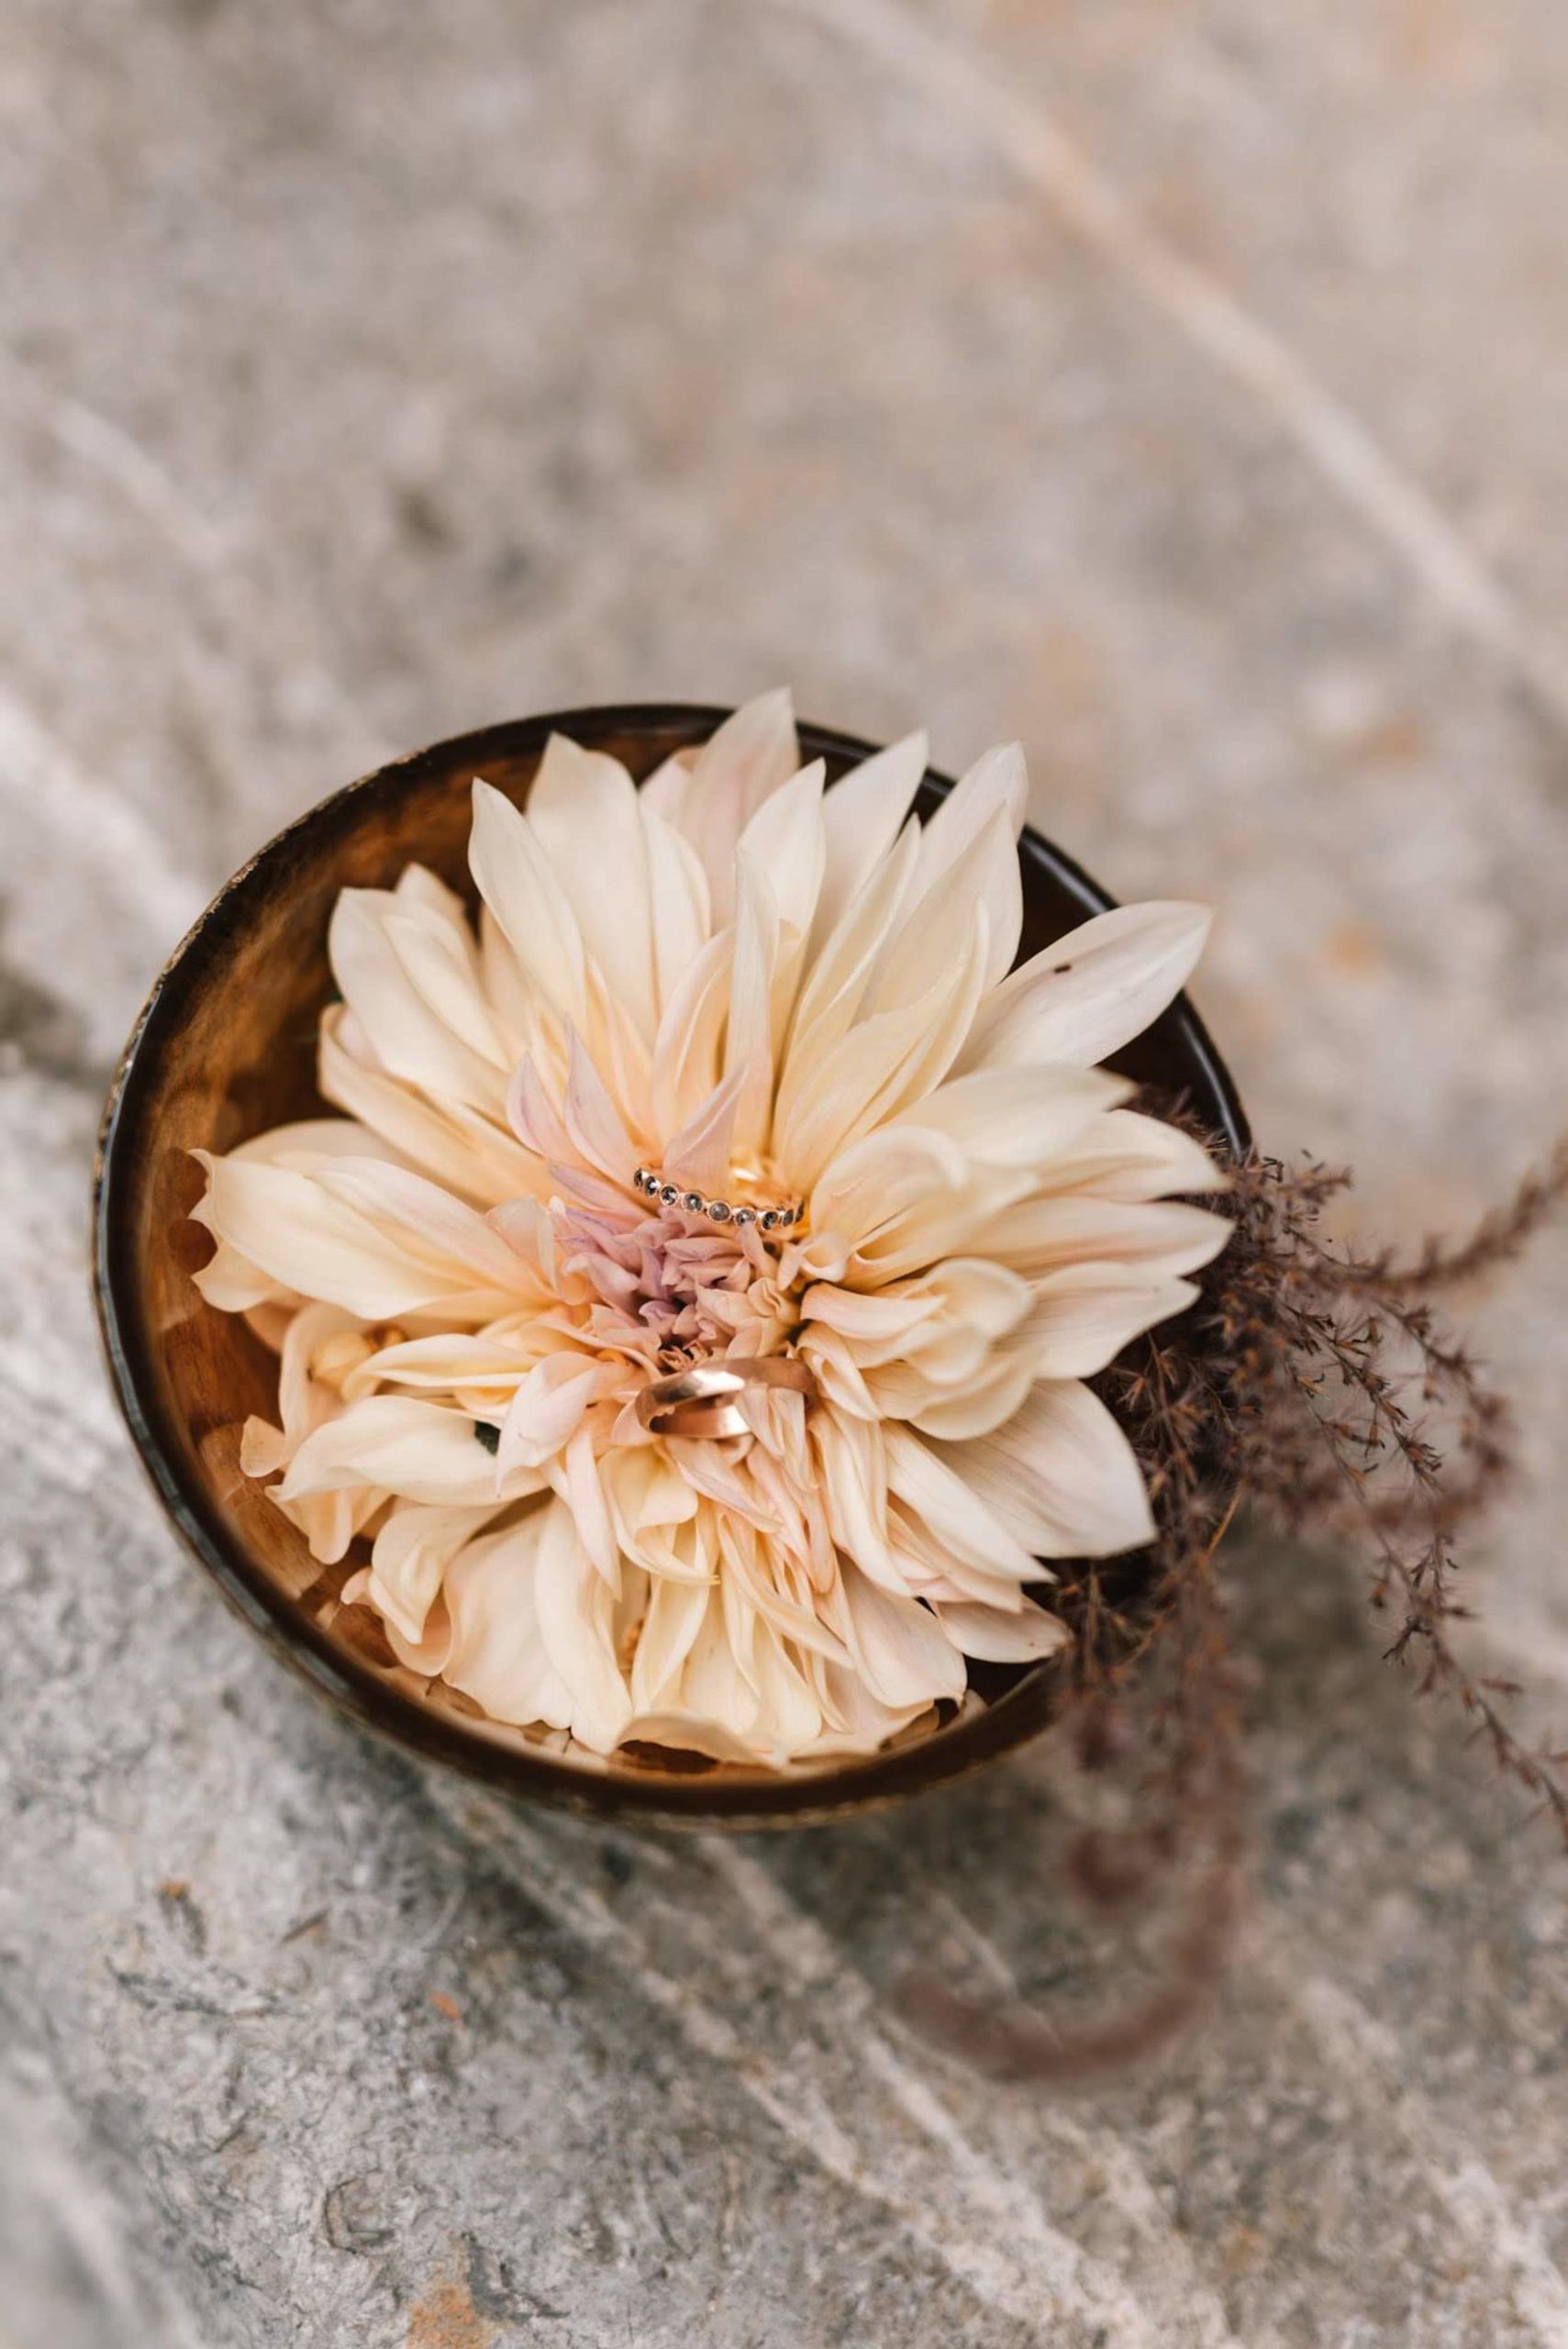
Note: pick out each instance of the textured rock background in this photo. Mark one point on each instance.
(1177, 383)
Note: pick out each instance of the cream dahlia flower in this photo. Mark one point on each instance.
(726, 970)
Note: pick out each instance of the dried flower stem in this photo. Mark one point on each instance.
(1327, 1341)
(1500, 1237)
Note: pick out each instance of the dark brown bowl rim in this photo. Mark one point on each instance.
(737, 1797)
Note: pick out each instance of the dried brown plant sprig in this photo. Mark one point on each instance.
(1316, 1383)
(1500, 1238)
(1356, 1413)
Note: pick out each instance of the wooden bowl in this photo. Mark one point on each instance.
(225, 1048)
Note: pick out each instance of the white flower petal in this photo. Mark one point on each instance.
(468, 1154)
(524, 1013)
(879, 1067)
(450, 1362)
(878, 1178)
(309, 1143)
(1060, 1474)
(679, 896)
(877, 1325)
(863, 815)
(955, 1507)
(419, 1451)
(292, 1229)
(409, 1037)
(422, 891)
(576, 1630)
(995, 1636)
(498, 1655)
(789, 1714)
(442, 967)
(230, 1283)
(901, 1651)
(854, 1721)
(544, 1412)
(926, 1221)
(410, 1558)
(832, 996)
(854, 1476)
(750, 756)
(686, 1050)
(664, 791)
(1163, 1237)
(838, 1374)
(645, 1491)
(942, 1323)
(598, 1135)
(690, 1733)
(585, 812)
(518, 881)
(933, 934)
(747, 1045)
(1019, 1117)
(675, 1613)
(526, 1226)
(263, 1449)
(584, 1495)
(304, 1401)
(1084, 1314)
(1092, 991)
(703, 1151)
(712, 1685)
(785, 841)
(432, 1227)
(997, 784)
(534, 1115)
(1129, 1156)
(983, 1401)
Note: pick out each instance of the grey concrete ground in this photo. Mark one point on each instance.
(1179, 383)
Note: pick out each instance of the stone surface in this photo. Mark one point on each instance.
(1179, 387)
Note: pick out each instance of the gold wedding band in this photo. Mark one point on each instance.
(698, 1401)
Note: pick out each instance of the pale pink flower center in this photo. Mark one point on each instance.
(667, 1290)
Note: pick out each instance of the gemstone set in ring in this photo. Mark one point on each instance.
(654, 1187)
